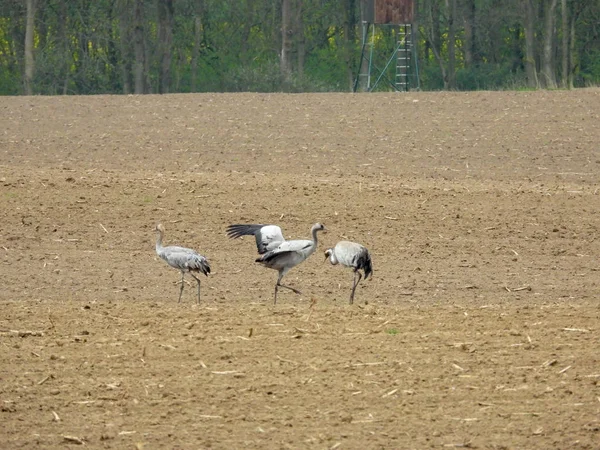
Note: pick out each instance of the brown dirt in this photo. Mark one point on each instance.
(480, 328)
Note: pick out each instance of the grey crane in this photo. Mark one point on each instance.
(353, 255)
(277, 253)
(184, 259)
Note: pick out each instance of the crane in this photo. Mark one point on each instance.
(183, 259)
(353, 255)
(277, 253)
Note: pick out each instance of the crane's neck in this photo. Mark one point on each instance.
(159, 239)
(314, 237)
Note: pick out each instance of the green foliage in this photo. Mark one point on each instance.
(327, 71)
(9, 85)
(260, 78)
(85, 47)
(267, 78)
(484, 77)
(590, 68)
(431, 77)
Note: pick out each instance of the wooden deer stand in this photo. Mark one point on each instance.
(373, 70)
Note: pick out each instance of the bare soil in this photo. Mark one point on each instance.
(479, 329)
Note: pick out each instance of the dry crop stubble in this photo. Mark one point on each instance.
(479, 327)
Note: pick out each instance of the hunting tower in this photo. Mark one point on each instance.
(375, 68)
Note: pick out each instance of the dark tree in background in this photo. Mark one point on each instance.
(530, 52)
(161, 46)
(165, 44)
(29, 61)
(139, 48)
(548, 61)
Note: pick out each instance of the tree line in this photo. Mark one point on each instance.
(164, 46)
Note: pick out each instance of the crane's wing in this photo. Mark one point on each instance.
(293, 246)
(287, 254)
(176, 249)
(280, 259)
(186, 259)
(268, 237)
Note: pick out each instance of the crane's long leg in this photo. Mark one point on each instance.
(181, 289)
(355, 283)
(278, 285)
(290, 288)
(198, 280)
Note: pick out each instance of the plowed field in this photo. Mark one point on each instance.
(479, 329)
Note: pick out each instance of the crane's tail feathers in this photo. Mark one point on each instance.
(206, 267)
(366, 264)
(199, 264)
(238, 230)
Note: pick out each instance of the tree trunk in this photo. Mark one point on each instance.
(198, 29)
(165, 44)
(516, 49)
(249, 21)
(427, 49)
(435, 39)
(572, 51)
(548, 73)
(286, 40)
(41, 35)
(29, 61)
(565, 44)
(530, 64)
(470, 53)
(64, 45)
(139, 64)
(112, 50)
(195, 53)
(126, 67)
(300, 39)
(451, 74)
(348, 10)
(436, 28)
(433, 35)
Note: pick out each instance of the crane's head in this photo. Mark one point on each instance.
(160, 228)
(328, 253)
(319, 227)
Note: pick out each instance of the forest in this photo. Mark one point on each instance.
(67, 47)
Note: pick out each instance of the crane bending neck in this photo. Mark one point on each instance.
(332, 258)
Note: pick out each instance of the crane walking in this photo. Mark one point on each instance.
(183, 259)
(353, 255)
(277, 253)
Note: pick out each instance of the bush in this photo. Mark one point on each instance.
(484, 77)
(590, 72)
(267, 78)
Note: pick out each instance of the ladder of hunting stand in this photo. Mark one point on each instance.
(403, 57)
